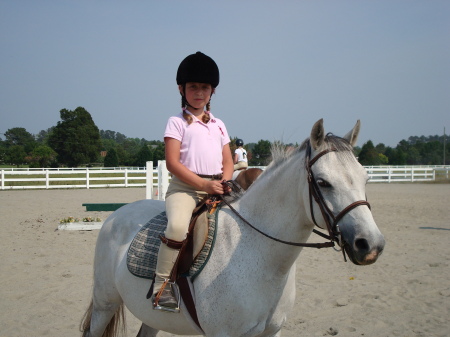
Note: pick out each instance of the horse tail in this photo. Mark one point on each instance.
(85, 324)
(115, 325)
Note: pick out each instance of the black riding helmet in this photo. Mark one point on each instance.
(200, 68)
(239, 142)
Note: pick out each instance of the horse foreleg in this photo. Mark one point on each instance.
(146, 331)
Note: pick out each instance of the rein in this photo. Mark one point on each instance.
(314, 192)
(313, 245)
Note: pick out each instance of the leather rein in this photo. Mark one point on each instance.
(334, 234)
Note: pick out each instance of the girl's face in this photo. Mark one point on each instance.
(197, 94)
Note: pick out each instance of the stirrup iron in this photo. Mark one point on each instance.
(175, 291)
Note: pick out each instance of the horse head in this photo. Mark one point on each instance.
(337, 194)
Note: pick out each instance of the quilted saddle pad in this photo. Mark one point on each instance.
(143, 251)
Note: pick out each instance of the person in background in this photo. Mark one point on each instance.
(240, 156)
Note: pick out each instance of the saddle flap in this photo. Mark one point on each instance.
(200, 234)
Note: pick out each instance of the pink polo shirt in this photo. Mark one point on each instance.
(201, 144)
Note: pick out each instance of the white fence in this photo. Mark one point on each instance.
(62, 178)
(157, 180)
(388, 174)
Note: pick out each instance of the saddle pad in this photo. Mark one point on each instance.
(143, 251)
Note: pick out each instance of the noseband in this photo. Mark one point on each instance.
(314, 192)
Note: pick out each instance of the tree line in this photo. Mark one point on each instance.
(76, 141)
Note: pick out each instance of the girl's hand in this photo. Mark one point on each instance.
(226, 187)
(215, 187)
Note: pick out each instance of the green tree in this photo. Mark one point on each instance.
(111, 159)
(431, 153)
(143, 156)
(16, 155)
(395, 156)
(108, 144)
(20, 136)
(122, 155)
(42, 156)
(131, 147)
(75, 138)
(3, 152)
(42, 136)
(380, 148)
(261, 153)
(368, 155)
(384, 160)
(413, 156)
(159, 152)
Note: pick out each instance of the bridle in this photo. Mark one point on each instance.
(328, 215)
(334, 234)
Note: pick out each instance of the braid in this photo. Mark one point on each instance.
(206, 117)
(187, 117)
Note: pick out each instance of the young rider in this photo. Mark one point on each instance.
(240, 156)
(197, 154)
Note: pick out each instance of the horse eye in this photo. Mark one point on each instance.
(323, 183)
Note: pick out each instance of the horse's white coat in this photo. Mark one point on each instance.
(248, 286)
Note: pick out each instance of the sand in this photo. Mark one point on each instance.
(46, 274)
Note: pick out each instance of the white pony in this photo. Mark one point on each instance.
(248, 285)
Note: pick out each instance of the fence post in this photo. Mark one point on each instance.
(149, 180)
(163, 179)
(126, 177)
(87, 178)
(3, 179)
(47, 179)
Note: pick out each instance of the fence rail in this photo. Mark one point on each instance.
(85, 178)
(407, 174)
(158, 179)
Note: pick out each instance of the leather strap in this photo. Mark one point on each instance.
(218, 176)
(298, 244)
(171, 243)
(188, 300)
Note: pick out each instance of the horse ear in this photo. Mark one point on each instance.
(352, 136)
(317, 135)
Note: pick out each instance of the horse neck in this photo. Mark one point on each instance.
(275, 204)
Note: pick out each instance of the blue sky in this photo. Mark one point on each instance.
(283, 64)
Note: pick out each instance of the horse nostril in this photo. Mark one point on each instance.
(362, 245)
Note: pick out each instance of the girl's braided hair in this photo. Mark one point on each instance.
(205, 118)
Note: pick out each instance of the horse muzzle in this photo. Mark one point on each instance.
(362, 253)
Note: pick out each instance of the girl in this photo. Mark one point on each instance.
(240, 156)
(199, 157)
